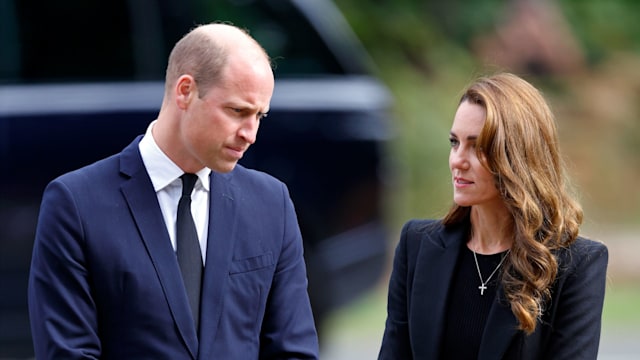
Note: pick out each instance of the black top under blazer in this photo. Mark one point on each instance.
(424, 264)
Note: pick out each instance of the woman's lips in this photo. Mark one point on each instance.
(461, 182)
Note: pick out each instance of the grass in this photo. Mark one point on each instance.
(621, 305)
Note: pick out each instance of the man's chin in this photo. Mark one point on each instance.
(224, 168)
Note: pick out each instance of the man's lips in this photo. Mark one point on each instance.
(237, 151)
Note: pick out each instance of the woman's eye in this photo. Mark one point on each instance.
(453, 142)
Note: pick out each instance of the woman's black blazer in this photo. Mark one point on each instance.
(423, 267)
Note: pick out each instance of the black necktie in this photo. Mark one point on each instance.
(188, 247)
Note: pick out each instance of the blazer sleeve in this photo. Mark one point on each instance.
(395, 341)
(288, 330)
(61, 307)
(580, 297)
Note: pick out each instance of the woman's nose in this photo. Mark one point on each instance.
(458, 159)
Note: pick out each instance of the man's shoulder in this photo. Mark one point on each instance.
(245, 176)
(105, 169)
(89, 170)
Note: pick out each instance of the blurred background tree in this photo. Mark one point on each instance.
(583, 54)
(585, 57)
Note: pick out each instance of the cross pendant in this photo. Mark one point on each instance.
(482, 289)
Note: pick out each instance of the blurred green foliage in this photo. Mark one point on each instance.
(427, 51)
(604, 26)
(583, 54)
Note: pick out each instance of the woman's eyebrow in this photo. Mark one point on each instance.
(470, 137)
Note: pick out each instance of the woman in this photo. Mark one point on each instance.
(504, 275)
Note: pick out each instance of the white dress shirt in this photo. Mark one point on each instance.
(165, 176)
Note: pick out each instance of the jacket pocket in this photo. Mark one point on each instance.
(251, 264)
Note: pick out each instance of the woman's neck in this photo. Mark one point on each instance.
(491, 230)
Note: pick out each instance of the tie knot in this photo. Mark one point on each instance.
(188, 181)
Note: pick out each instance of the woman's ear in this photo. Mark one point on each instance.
(185, 90)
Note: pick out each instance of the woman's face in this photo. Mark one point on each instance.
(473, 184)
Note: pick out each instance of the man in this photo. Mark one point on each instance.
(108, 278)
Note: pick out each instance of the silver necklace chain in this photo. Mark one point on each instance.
(483, 284)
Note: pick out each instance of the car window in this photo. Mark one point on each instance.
(124, 40)
(67, 40)
(288, 37)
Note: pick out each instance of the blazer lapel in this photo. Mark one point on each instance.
(435, 265)
(222, 225)
(503, 325)
(142, 200)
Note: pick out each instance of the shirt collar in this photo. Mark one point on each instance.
(160, 168)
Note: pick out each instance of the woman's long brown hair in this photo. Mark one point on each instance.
(519, 145)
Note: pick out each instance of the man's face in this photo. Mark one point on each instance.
(221, 125)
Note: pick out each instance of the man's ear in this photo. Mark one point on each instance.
(185, 90)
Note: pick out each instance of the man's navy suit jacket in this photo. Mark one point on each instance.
(105, 281)
(424, 265)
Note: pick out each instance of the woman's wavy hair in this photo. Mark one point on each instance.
(519, 146)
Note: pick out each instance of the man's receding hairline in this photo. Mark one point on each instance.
(226, 36)
(228, 40)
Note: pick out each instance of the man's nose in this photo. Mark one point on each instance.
(249, 130)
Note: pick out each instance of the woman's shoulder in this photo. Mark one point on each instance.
(433, 231)
(583, 251)
(422, 226)
(585, 246)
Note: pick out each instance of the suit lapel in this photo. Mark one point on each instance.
(435, 265)
(143, 203)
(503, 325)
(222, 224)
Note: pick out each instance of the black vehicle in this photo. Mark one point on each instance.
(80, 79)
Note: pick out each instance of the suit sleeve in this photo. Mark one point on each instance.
(576, 327)
(288, 330)
(395, 342)
(61, 307)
